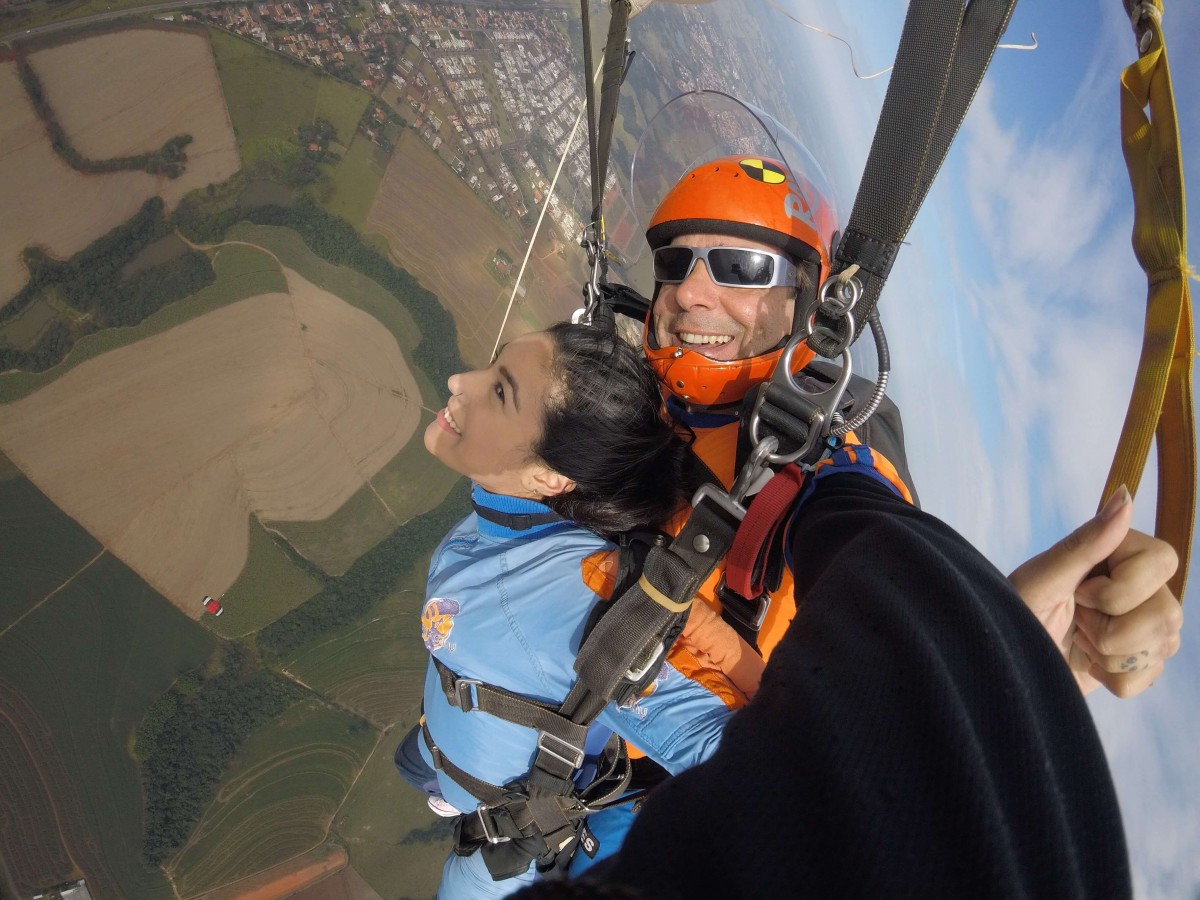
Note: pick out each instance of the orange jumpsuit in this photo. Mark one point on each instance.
(710, 651)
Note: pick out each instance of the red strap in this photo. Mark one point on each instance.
(768, 509)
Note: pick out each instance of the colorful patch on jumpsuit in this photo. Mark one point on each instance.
(437, 621)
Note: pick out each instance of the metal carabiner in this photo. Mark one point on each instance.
(755, 471)
(594, 245)
(819, 405)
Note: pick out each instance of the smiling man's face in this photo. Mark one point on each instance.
(723, 323)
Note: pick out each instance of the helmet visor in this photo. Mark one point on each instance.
(740, 267)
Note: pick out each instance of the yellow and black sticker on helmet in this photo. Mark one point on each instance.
(761, 170)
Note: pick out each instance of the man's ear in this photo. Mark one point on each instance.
(545, 482)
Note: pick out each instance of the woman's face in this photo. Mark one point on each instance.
(493, 418)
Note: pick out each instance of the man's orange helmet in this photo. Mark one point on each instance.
(758, 199)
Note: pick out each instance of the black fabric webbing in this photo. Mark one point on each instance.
(944, 51)
(637, 625)
(515, 521)
(600, 127)
(510, 707)
(485, 792)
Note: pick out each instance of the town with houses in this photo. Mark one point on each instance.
(496, 92)
(494, 87)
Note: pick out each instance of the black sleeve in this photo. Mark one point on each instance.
(916, 734)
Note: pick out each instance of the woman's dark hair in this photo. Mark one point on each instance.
(603, 427)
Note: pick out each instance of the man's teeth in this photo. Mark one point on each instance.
(450, 420)
(690, 338)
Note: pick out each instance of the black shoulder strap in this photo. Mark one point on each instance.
(944, 51)
(628, 645)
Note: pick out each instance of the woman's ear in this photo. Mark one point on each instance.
(545, 482)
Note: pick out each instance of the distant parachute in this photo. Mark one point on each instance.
(212, 605)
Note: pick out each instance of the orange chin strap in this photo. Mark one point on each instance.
(699, 381)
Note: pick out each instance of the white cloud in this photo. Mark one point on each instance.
(1043, 202)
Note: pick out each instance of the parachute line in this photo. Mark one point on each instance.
(538, 225)
(849, 46)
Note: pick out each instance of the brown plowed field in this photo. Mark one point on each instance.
(117, 94)
(443, 234)
(282, 405)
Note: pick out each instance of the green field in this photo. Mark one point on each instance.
(233, 262)
(269, 585)
(233, 283)
(45, 12)
(376, 665)
(356, 180)
(395, 842)
(413, 482)
(40, 546)
(89, 661)
(269, 96)
(277, 798)
(334, 543)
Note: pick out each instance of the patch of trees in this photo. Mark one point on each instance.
(335, 240)
(90, 282)
(372, 577)
(169, 159)
(321, 132)
(190, 735)
(54, 344)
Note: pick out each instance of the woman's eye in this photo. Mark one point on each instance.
(499, 389)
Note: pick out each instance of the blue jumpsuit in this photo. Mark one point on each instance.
(508, 607)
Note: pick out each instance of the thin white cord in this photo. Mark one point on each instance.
(854, 67)
(545, 205)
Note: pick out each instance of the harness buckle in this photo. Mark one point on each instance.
(809, 411)
(572, 755)
(637, 674)
(483, 813)
(720, 498)
(751, 613)
(464, 699)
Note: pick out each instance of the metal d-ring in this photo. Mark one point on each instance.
(838, 296)
(824, 403)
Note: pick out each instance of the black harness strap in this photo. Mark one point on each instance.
(627, 647)
(515, 521)
(471, 695)
(526, 821)
(616, 62)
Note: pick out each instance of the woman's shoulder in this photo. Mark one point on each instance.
(559, 553)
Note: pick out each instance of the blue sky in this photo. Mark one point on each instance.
(1014, 318)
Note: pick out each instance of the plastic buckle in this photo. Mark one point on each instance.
(737, 608)
(489, 833)
(574, 760)
(463, 697)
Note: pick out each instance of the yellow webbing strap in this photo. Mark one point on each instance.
(1162, 392)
